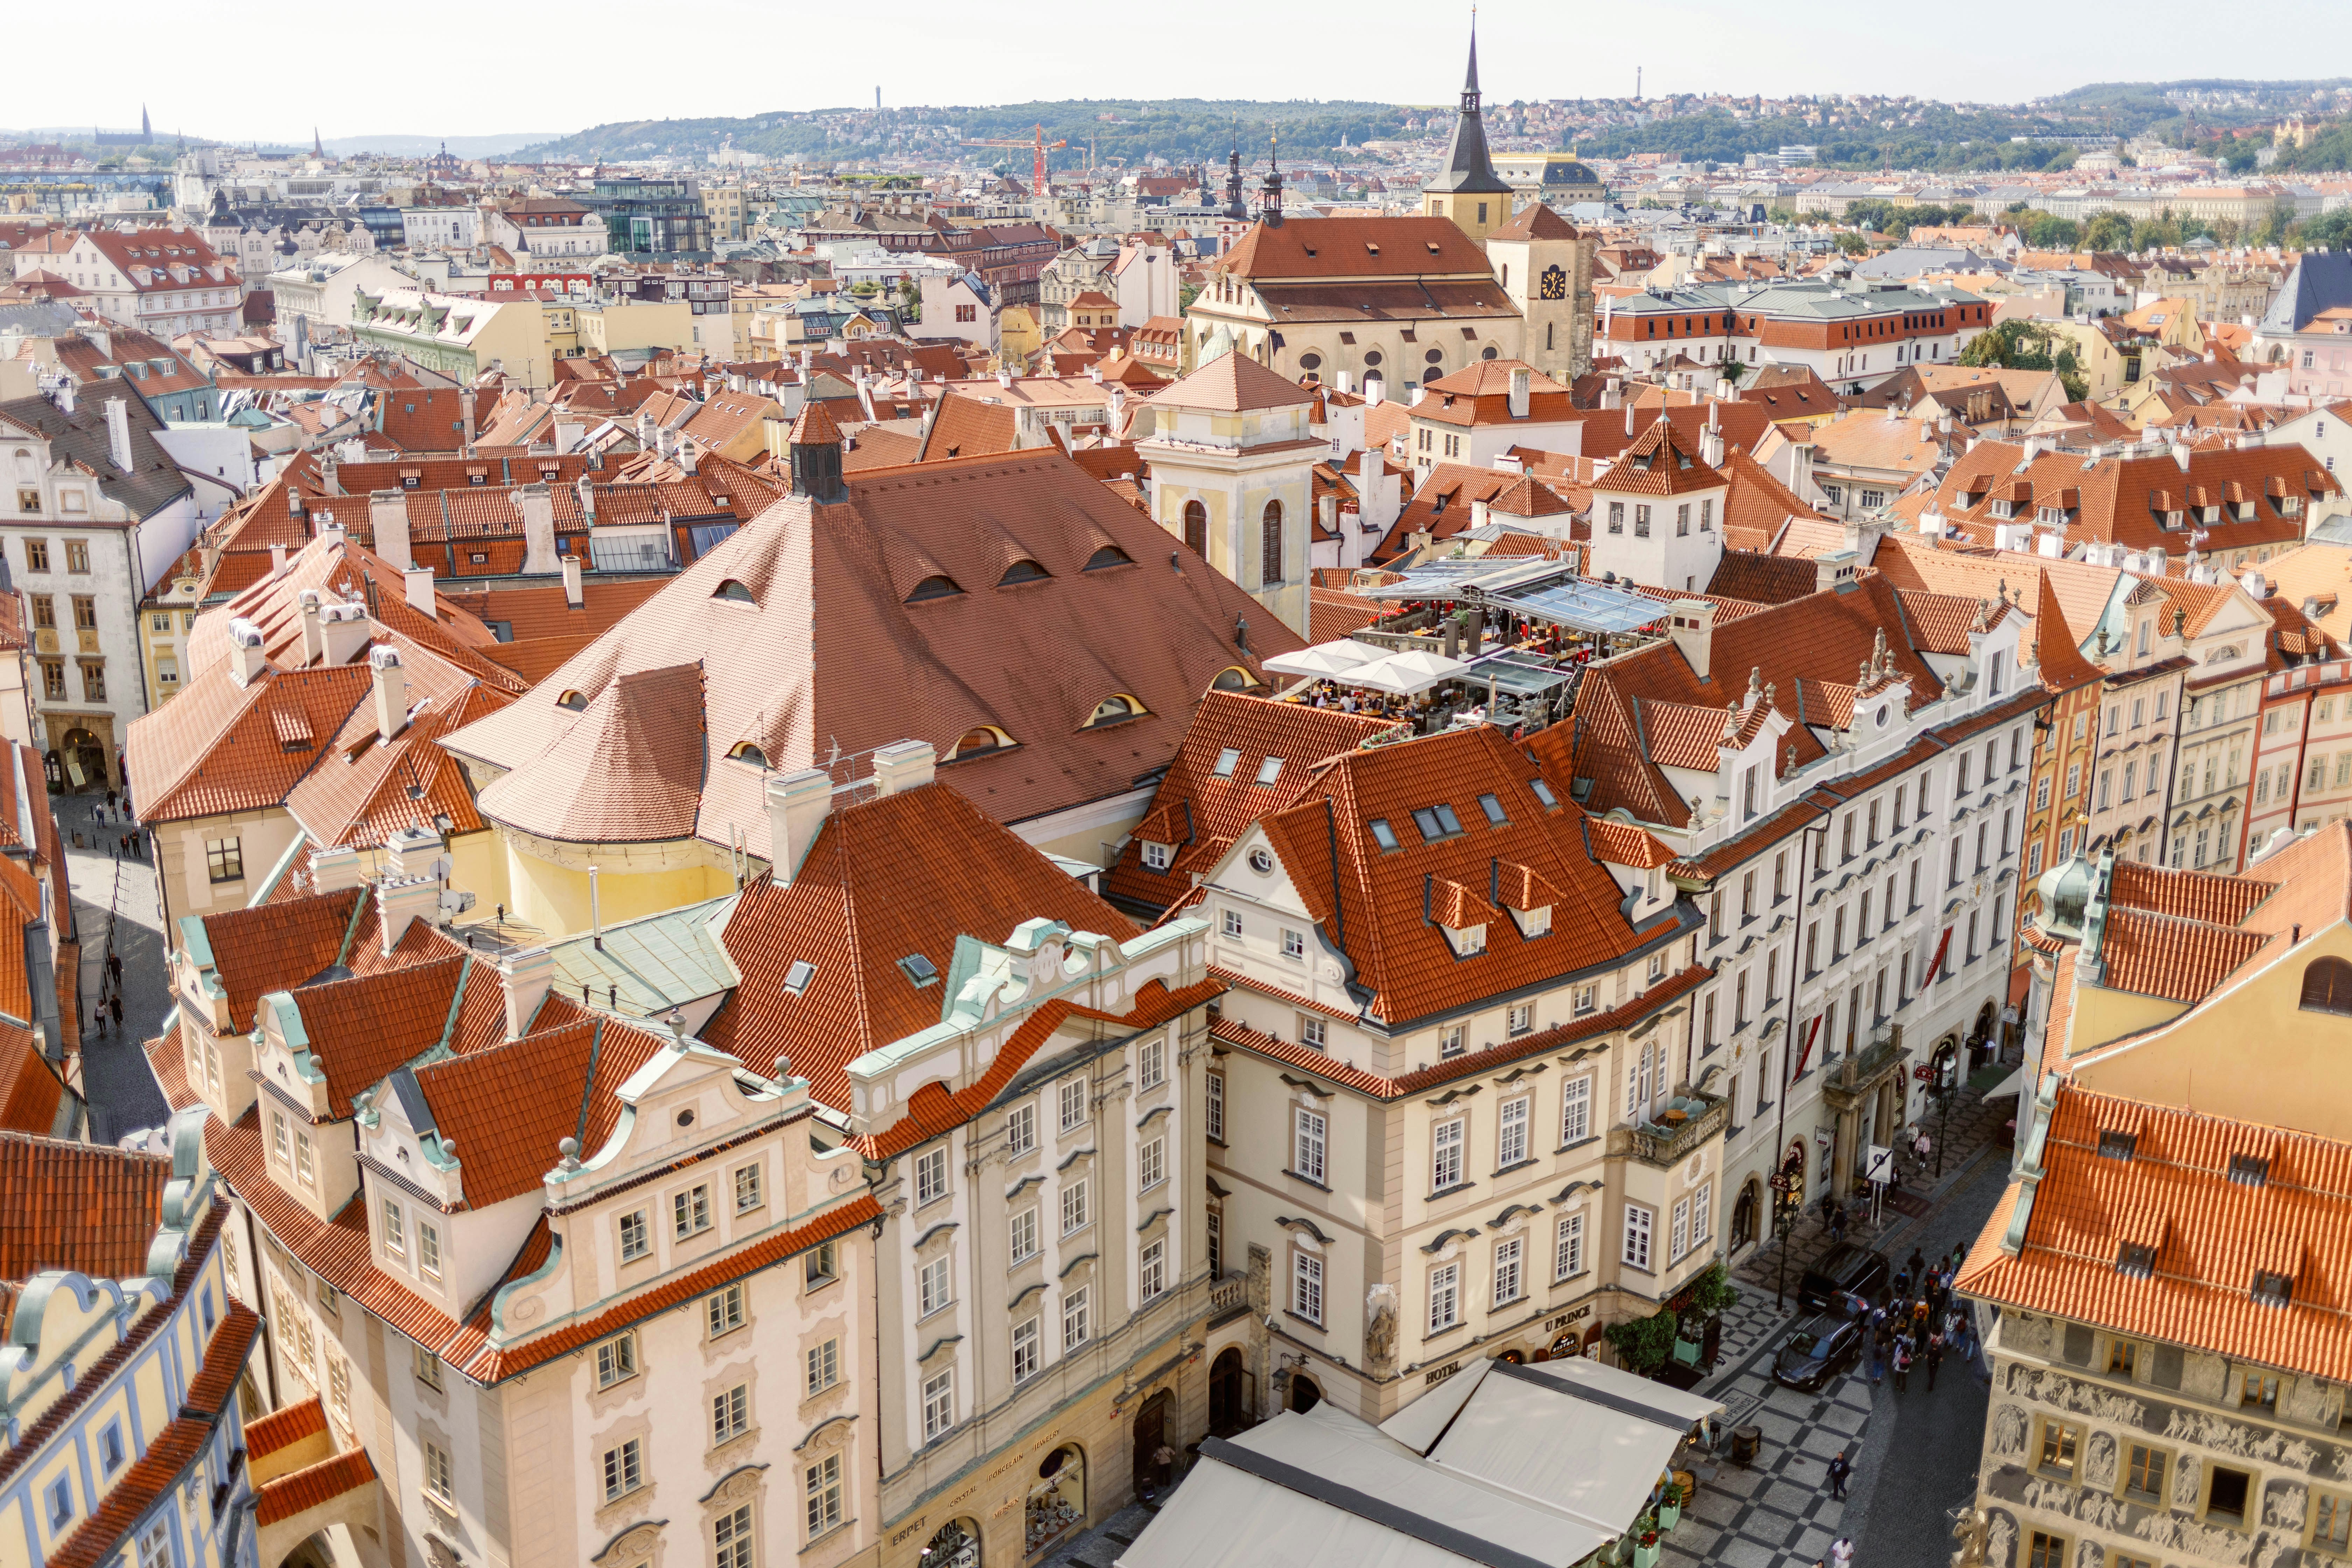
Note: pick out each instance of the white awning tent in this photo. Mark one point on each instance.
(1407, 673)
(1327, 658)
(1501, 1466)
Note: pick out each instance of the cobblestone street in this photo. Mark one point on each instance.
(117, 897)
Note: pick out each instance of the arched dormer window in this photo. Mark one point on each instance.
(1023, 571)
(745, 752)
(571, 700)
(1196, 529)
(1108, 556)
(1233, 678)
(936, 587)
(734, 592)
(980, 743)
(1114, 709)
(2328, 987)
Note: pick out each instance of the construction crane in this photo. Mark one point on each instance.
(1039, 147)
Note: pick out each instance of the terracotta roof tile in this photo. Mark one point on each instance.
(285, 1496)
(1625, 844)
(1231, 384)
(77, 1206)
(265, 1435)
(2161, 955)
(2191, 895)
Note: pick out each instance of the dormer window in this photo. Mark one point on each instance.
(1466, 939)
(935, 587)
(980, 743)
(1108, 556)
(1156, 857)
(734, 592)
(1114, 709)
(1023, 571)
(571, 700)
(747, 752)
(1533, 922)
(2118, 1145)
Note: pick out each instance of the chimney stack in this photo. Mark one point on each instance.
(332, 870)
(575, 596)
(904, 765)
(330, 482)
(410, 887)
(537, 503)
(388, 519)
(314, 637)
(1522, 387)
(246, 657)
(524, 976)
(416, 589)
(391, 690)
(798, 804)
(118, 434)
(465, 412)
(343, 627)
(1691, 627)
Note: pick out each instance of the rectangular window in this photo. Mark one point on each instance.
(747, 1188)
(1074, 1207)
(636, 1235)
(1511, 1134)
(1637, 1236)
(1074, 1328)
(1151, 1272)
(824, 1366)
(37, 553)
(934, 1287)
(1311, 1031)
(1451, 1041)
(616, 1360)
(1576, 1110)
(690, 1212)
(2331, 1523)
(1678, 1231)
(1025, 1350)
(2059, 1444)
(45, 612)
(1445, 1297)
(1215, 1118)
(1024, 1236)
(1071, 1094)
(440, 1474)
(730, 1540)
(2144, 1477)
(1307, 1285)
(1568, 1248)
(1522, 1019)
(395, 1236)
(731, 1413)
(224, 857)
(1232, 923)
(1509, 1273)
(2227, 1496)
(427, 1367)
(1445, 1155)
(1152, 1062)
(723, 1309)
(1703, 1214)
(155, 1545)
(76, 554)
(823, 1488)
(931, 1175)
(1293, 945)
(84, 613)
(2044, 1549)
(53, 685)
(1021, 1129)
(428, 1238)
(1152, 1165)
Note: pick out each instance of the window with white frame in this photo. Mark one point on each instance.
(934, 1286)
(690, 1212)
(1151, 1063)
(931, 1175)
(155, 1545)
(1151, 1272)
(440, 1475)
(396, 1235)
(617, 1359)
(1232, 924)
(1576, 1110)
(823, 1487)
(1024, 1350)
(1213, 1117)
(1445, 1297)
(731, 1413)
(938, 1404)
(1071, 1094)
(1150, 1164)
(747, 1189)
(1021, 1129)
(723, 1309)
(1678, 1231)
(1024, 1236)
(1511, 1132)
(1567, 1247)
(636, 1235)
(1445, 1155)
(1523, 1018)
(1307, 1145)
(1451, 1040)
(1293, 945)
(1702, 1231)
(1637, 1236)
(824, 1366)
(1075, 1329)
(1510, 1282)
(1307, 1285)
(1075, 1212)
(1312, 1031)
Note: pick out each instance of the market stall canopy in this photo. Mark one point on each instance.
(1327, 658)
(1588, 1438)
(1324, 1491)
(1405, 674)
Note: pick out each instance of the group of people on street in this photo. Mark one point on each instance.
(1915, 1321)
(106, 1006)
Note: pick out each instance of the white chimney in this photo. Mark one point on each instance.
(797, 806)
(2180, 454)
(343, 627)
(904, 765)
(1522, 384)
(524, 976)
(246, 657)
(391, 690)
(416, 588)
(574, 595)
(332, 870)
(537, 503)
(118, 434)
(314, 640)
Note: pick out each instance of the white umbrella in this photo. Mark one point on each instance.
(1326, 658)
(1405, 674)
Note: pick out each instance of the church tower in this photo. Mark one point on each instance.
(1467, 189)
(1545, 265)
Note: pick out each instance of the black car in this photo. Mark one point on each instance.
(1822, 1347)
(1844, 1272)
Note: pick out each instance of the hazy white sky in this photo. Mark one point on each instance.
(439, 69)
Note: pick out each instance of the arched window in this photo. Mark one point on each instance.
(747, 752)
(2327, 985)
(1114, 709)
(1023, 571)
(934, 588)
(980, 743)
(1196, 529)
(1271, 559)
(734, 592)
(571, 700)
(1108, 556)
(1233, 678)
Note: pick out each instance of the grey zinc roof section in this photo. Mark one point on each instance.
(2322, 281)
(154, 480)
(656, 962)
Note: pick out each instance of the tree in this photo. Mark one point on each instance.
(2028, 345)
(2108, 231)
(1644, 1344)
(1185, 296)
(910, 301)
(1732, 371)
(1853, 244)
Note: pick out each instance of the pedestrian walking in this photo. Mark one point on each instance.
(1841, 1553)
(114, 967)
(1916, 1266)
(1935, 1359)
(114, 1008)
(1839, 1470)
(1919, 1319)
(1837, 1220)
(1902, 1365)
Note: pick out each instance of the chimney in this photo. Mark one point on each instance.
(2180, 454)
(1691, 627)
(416, 589)
(465, 413)
(797, 806)
(332, 870)
(537, 506)
(904, 765)
(388, 519)
(409, 890)
(314, 639)
(1522, 384)
(118, 434)
(343, 627)
(1418, 392)
(330, 482)
(391, 690)
(524, 976)
(1629, 422)
(573, 595)
(588, 499)
(1612, 393)
(246, 657)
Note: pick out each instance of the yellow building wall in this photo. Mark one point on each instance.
(649, 324)
(554, 899)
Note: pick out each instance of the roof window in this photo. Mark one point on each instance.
(1108, 556)
(2135, 1260)
(747, 752)
(1543, 793)
(571, 700)
(1436, 821)
(1022, 571)
(1226, 761)
(1269, 769)
(734, 592)
(979, 742)
(2118, 1145)
(918, 969)
(935, 587)
(2250, 1169)
(797, 977)
(1493, 810)
(1114, 709)
(1383, 835)
(2271, 1289)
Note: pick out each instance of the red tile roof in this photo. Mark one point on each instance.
(299, 1490)
(1231, 384)
(265, 1435)
(77, 1206)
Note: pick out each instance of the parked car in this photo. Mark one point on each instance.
(1822, 1347)
(1845, 1271)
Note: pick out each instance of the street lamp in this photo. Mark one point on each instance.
(1787, 1206)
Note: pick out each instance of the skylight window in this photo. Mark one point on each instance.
(2248, 1169)
(798, 976)
(1493, 810)
(2118, 1145)
(1226, 761)
(934, 588)
(2135, 1260)
(917, 968)
(1383, 835)
(1542, 792)
(2271, 1289)
(1269, 769)
(1436, 821)
(734, 592)
(1108, 556)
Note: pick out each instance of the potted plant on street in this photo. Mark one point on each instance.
(1646, 1543)
(1670, 1507)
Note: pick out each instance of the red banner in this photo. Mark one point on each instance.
(1937, 968)
(1807, 1055)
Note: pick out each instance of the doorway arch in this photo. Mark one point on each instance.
(955, 1544)
(1196, 529)
(1304, 1394)
(1155, 1459)
(85, 760)
(1228, 1392)
(1743, 1214)
(1057, 1501)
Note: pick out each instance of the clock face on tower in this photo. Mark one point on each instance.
(1553, 285)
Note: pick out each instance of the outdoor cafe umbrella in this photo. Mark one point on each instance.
(1327, 659)
(1405, 674)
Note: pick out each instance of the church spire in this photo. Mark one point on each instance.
(318, 148)
(1470, 82)
(1468, 170)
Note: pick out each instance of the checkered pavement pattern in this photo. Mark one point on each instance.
(1778, 1512)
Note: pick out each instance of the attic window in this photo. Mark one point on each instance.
(1233, 678)
(1269, 769)
(2271, 1289)
(747, 752)
(1383, 835)
(798, 976)
(1370, 249)
(571, 700)
(918, 969)
(2135, 1260)
(1436, 821)
(933, 588)
(1542, 792)
(979, 742)
(734, 592)
(1108, 556)
(2250, 1169)
(2118, 1145)
(1226, 760)
(1114, 709)
(1493, 810)
(1023, 571)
